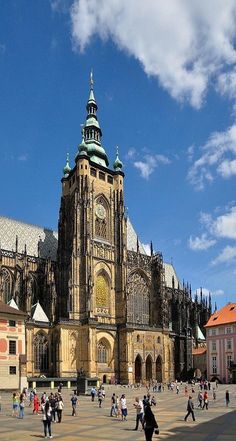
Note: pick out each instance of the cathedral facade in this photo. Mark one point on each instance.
(95, 299)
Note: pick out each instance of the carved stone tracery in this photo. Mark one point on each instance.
(138, 299)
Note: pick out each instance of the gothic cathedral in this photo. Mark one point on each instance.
(95, 299)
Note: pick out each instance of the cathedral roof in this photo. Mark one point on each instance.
(37, 239)
(38, 314)
(132, 239)
(170, 273)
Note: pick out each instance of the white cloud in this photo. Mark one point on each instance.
(185, 44)
(225, 225)
(205, 291)
(131, 153)
(218, 292)
(227, 168)
(149, 164)
(201, 243)
(217, 153)
(226, 83)
(227, 255)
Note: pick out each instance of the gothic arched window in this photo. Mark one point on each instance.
(102, 352)
(6, 285)
(102, 291)
(41, 352)
(138, 299)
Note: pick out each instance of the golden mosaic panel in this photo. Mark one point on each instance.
(102, 291)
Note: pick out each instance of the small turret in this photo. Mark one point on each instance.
(117, 163)
(67, 168)
(83, 148)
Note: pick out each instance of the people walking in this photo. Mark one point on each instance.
(227, 398)
(36, 404)
(123, 406)
(93, 393)
(31, 398)
(214, 394)
(15, 404)
(100, 398)
(200, 399)
(149, 423)
(22, 406)
(139, 412)
(205, 400)
(52, 402)
(47, 418)
(190, 407)
(60, 407)
(74, 401)
(113, 411)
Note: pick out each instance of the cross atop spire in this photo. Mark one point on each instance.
(91, 79)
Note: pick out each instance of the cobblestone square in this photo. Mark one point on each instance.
(92, 423)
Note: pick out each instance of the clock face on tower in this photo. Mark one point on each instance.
(100, 211)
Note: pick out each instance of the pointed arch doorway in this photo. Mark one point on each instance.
(138, 369)
(159, 369)
(149, 368)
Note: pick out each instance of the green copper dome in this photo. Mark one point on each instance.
(82, 148)
(67, 168)
(117, 163)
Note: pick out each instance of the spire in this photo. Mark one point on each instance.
(151, 248)
(91, 94)
(67, 168)
(210, 306)
(117, 163)
(91, 136)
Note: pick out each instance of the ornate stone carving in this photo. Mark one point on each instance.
(137, 299)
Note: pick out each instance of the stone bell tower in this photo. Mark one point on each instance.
(92, 238)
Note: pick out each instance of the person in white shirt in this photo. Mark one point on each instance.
(47, 418)
(139, 412)
(123, 407)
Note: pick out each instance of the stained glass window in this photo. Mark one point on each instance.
(138, 299)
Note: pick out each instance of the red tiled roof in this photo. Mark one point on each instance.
(6, 309)
(198, 351)
(225, 315)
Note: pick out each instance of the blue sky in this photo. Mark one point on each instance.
(165, 84)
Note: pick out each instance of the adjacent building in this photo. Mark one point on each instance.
(12, 347)
(221, 344)
(103, 304)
